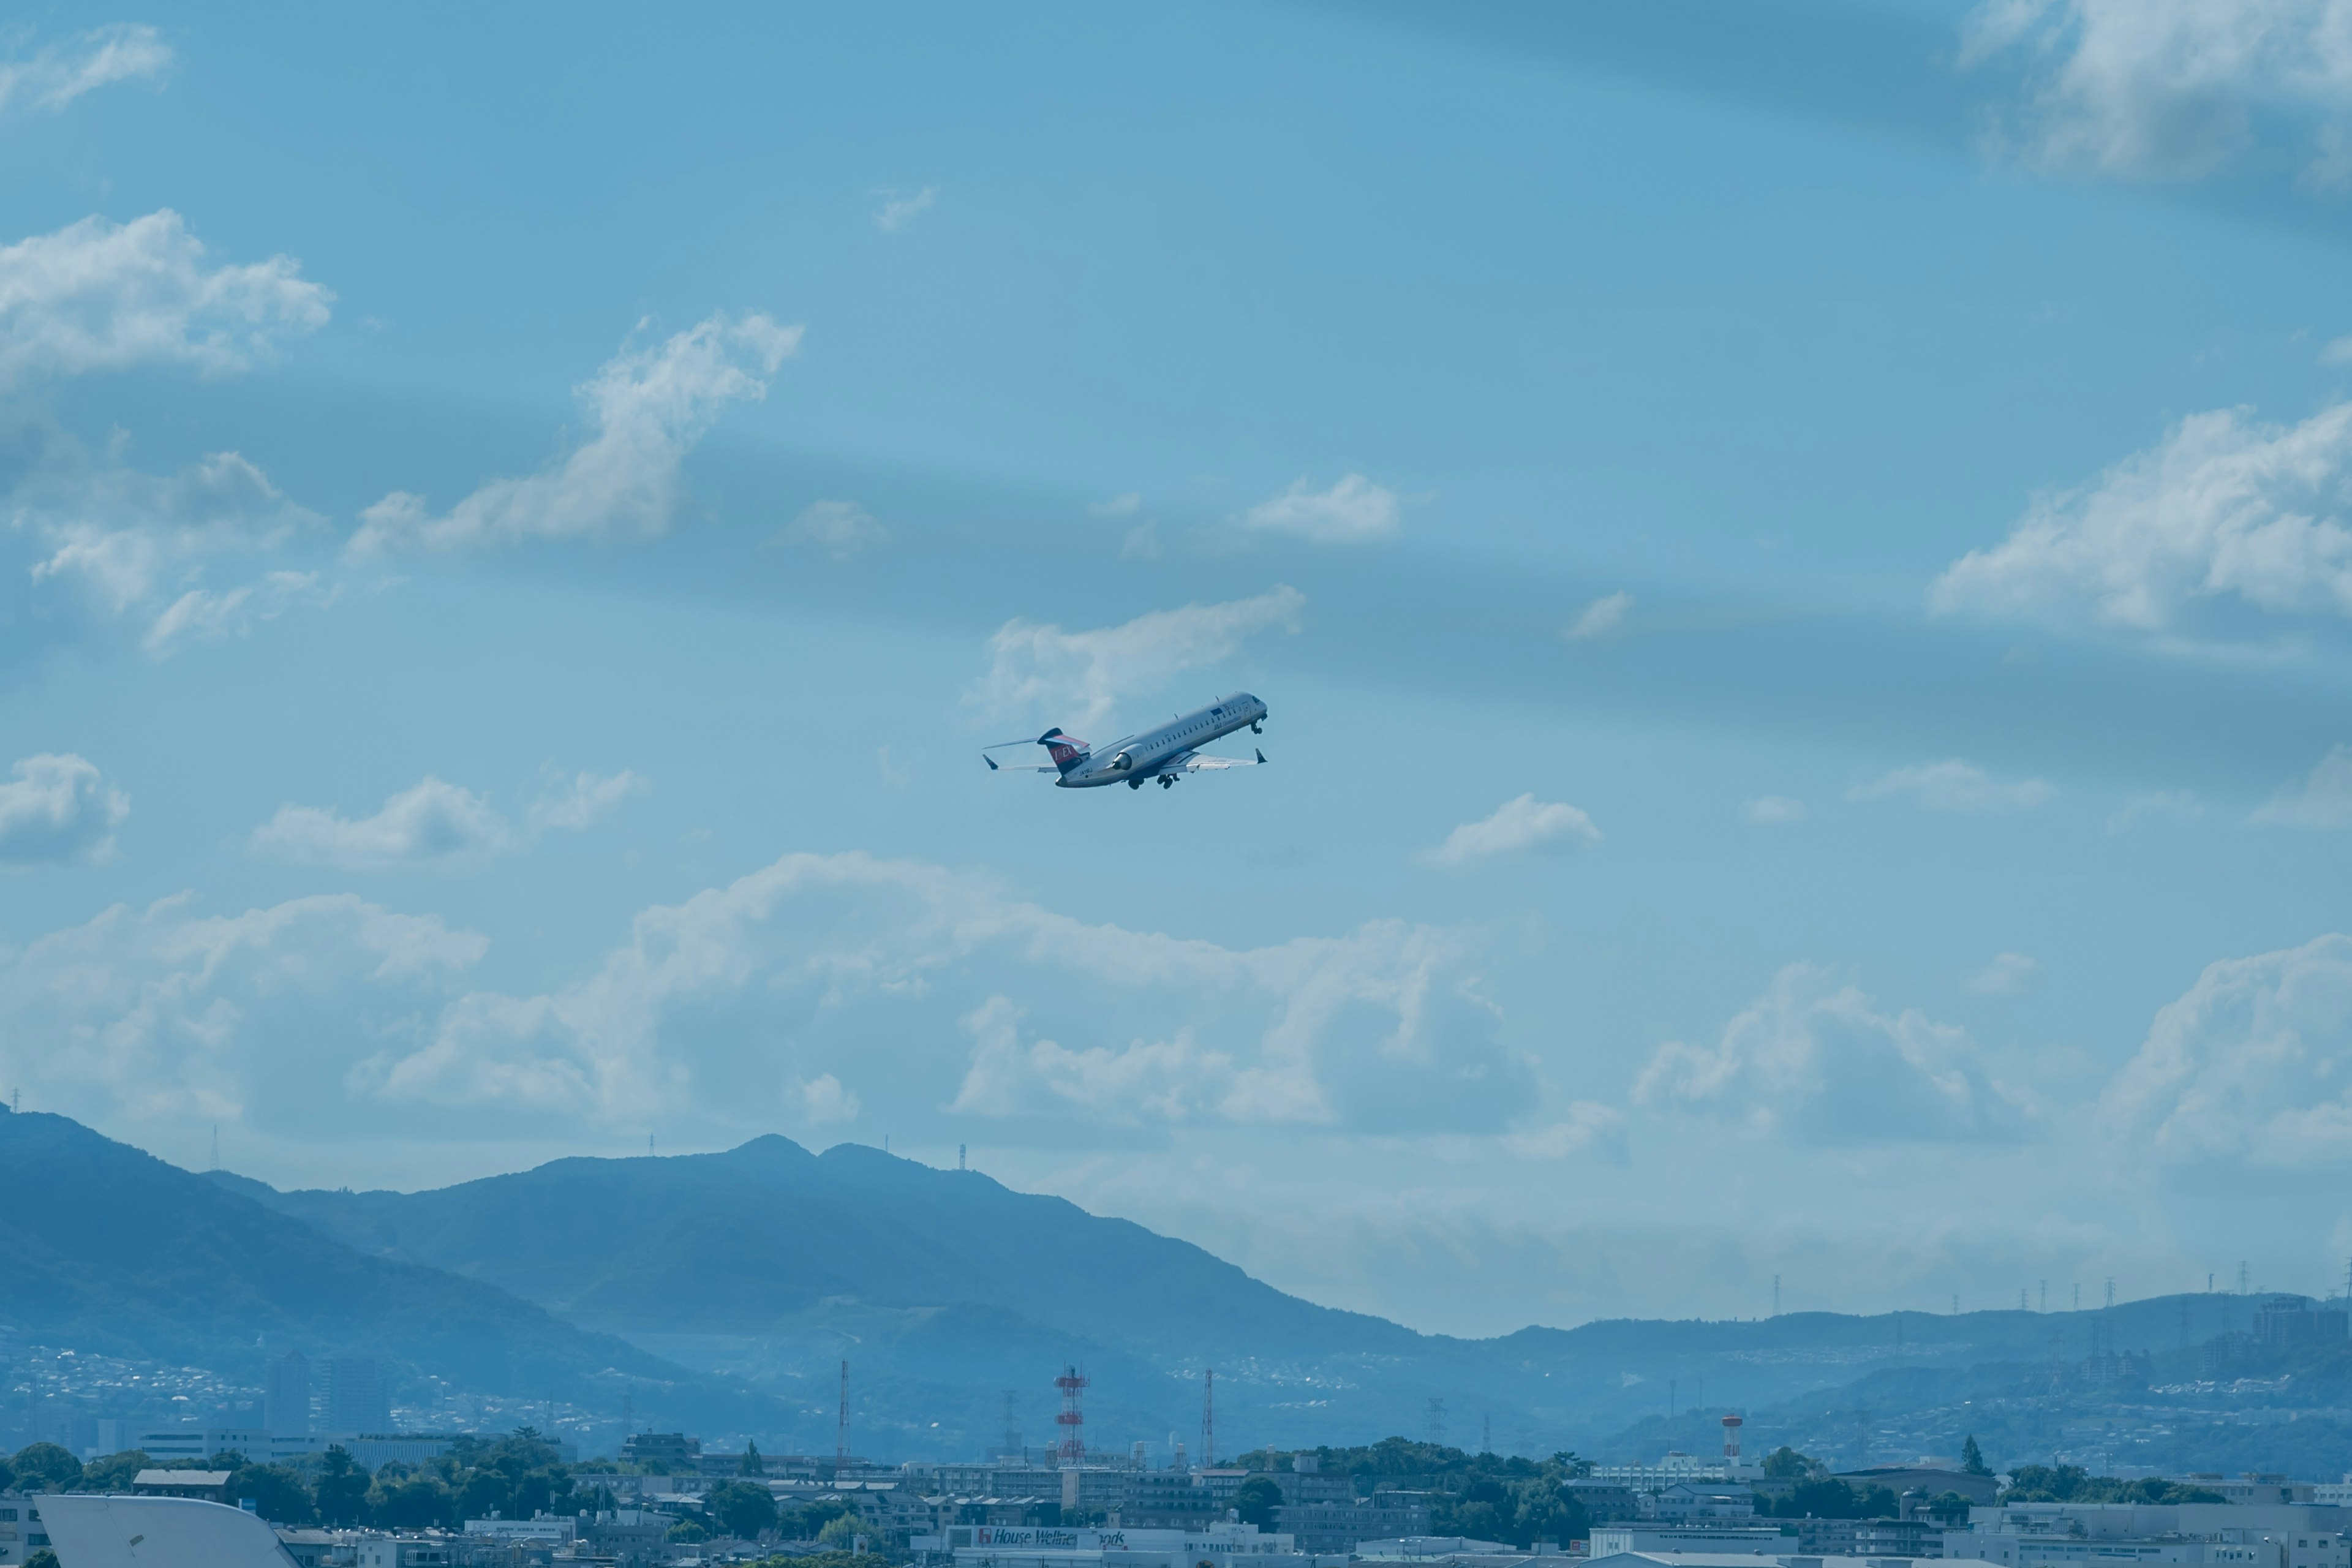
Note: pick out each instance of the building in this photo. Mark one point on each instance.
(631, 1537)
(359, 1398)
(2294, 1320)
(551, 1529)
(21, 1533)
(1737, 1559)
(1227, 1545)
(1700, 1502)
(2255, 1534)
(676, 1449)
(1180, 1499)
(401, 1551)
(209, 1485)
(1623, 1539)
(1428, 1549)
(204, 1442)
(1870, 1537)
(286, 1397)
(1327, 1527)
(1674, 1468)
(1901, 1478)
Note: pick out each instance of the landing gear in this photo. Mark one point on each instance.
(1167, 783)
(1258, 728)
(1135, 783)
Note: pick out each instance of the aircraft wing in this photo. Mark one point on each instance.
(996, 768)
(1194, 763)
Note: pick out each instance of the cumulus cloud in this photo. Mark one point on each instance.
(1819, 1060)
(1587, 1128)
(1160, 1081)
(825, 1103)
(435, 823)
(57, 808)
(1353, 511)
(1126, 505)
(2007, 975)
(579, 802)
(97, 295)
(432, 822)
(128, 545)
(1600, 619)
(205, 614)
(2321, 798)
(2170, 88)
(2180, 807)
(1955, 786)
(1517, 826)
(2224, 510)
(1079, 678)
(898, 211)
(1773, 810)
(839, 528)
(61, 71)
(2254, 1064)
(1288, 1033)
(649, 407)
(164, 1011)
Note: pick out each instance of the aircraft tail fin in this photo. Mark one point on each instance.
(1067, 750)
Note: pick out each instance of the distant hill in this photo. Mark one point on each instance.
(110, 1250)
(770, 1265)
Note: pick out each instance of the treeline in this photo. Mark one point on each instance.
(2073, 1483)
(1487, 1497)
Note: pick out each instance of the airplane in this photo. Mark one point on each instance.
(1166, 753)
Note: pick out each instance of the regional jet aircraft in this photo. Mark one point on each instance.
(1167, 753)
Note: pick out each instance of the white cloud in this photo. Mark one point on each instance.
(584, 800)
(164, 1012)
(435, 823)
(2253, 1064)
(1299, 1032)
(1772, 810)
(1517, 826)
(2222, 509)
(1587, 1128)
(2179, 807)
(1816, 1059)
(1599, 618)
(58, 809)
(1159, 1081)
(825, 1103)
(2171, 89)
(2321, 798)
(2337, 350)
(431, 823)
(2007, 975)
(97, 295)
(64, 70)
(134, 545)
(649, 407)
(1353, 511)
(1077, 678)
(839, 528)
(1127, 505)
(204, 615)
(897, 210)
(1955, 786)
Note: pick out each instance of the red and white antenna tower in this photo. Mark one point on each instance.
(841, 1432)
(1731, 1425)
(1209, 1419)
(1072, 1448)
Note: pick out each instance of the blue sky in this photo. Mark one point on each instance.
(1795, 553)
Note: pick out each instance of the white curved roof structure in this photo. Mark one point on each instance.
(157, 1532)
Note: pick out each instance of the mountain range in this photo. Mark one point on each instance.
(723, 1292)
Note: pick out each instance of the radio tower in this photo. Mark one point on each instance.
(1072, 1450)
(1209, 1419)
(841, 1432)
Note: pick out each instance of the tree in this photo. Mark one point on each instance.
(745, 1507)
(45, 1467)
(486, 1493)
(44, 1558)
(1972, 1460)
(686, 1529)
(419, 1502)
(842, 1531)
(1785, 1463)
(277, 1493)
(113, 1473)
(342, 1490)
(1257, 1501)
(752, 1464)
